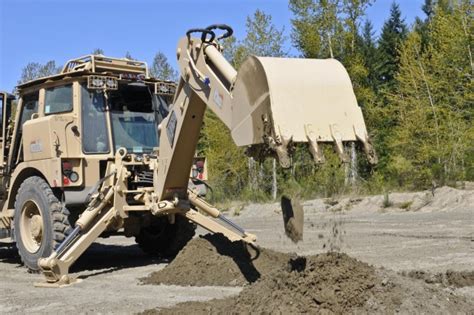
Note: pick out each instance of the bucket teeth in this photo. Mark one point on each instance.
(368, 148)
(316, 152)
(314, 148)
(370, 153)
(280, 147)
(338, 144)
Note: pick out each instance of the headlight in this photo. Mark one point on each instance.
(165, 88)
(100, 82)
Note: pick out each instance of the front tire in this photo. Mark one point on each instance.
(163, 239)
(41, 222)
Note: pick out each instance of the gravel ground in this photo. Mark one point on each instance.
(418, 232)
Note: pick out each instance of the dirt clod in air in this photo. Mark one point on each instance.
(293, 218)
(335, 239)
(214, 260)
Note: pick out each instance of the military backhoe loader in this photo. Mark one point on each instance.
(103, 147)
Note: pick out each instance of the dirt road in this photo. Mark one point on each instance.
(418, 232)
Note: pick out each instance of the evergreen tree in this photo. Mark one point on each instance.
(394, 32)
(128, 56)
(98, 51)
(369, 53)
(263, 39)
(353, 10)
(161, 68)
(428, 8)
(422, 25)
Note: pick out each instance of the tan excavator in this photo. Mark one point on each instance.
(103, 147)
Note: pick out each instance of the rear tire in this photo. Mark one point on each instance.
(164, 239)
(41, 222)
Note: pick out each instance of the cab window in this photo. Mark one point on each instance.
(94, 129)
(58, 100)
(30, 107)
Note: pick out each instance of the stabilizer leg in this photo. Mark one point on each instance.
(92, 223)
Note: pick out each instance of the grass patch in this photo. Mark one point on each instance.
(406, 205)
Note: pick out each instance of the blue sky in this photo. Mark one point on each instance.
(42, 30)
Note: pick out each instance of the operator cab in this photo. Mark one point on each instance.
(70, 125)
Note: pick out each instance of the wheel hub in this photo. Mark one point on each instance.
(31, 226)
(36, 226)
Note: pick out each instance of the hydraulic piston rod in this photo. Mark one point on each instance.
(213, 212)
(221, 64)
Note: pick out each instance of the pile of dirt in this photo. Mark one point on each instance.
(450, 278)
(282, 283)
(331, 283)
(213, 260)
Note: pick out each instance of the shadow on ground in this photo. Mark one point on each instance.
(9, 254)
(98, 259)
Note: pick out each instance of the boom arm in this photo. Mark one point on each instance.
(268, 105)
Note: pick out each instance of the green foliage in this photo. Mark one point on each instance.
(263, 39)
(161, 68)
(35, 70)
(232, 174)
(368, 50)
(394, 32)
(414, 86)
(227, 162)
(406, 205)
(317, 31)
(433, 103)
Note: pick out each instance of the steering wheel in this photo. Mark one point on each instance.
(228, 30)
(204, 34)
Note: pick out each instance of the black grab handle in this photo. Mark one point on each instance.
(228, 30)
(204, 32)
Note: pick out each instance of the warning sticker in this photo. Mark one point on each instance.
(36, 146)
(218, 98)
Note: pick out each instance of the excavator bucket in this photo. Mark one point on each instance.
(280, 101)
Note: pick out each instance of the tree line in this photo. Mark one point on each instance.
(160, 67)
(413, 83)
